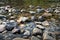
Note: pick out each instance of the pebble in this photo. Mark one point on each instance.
(20, 39)
(36, 30)
(15, 30)
(45, 23)
(47, 14)
(40, 27)
(26, 33)
(2, 28)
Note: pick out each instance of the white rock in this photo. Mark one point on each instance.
(2, 28)
(31, 6)
(10, 14)
(22, 19)
(4, 31)
(39, 26)
(32, 12)
(32, 17)
(14, 30)
(12, 20)
(47, 14)
(26, 33)
(22, 26)
(37, 22)
(39, 10)
(9, 9)
(40, 17)
(36, 30)
(57, 11)
(45, 23)
(23, 10)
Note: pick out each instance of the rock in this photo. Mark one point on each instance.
(31, 6)
(9, 36)
(2, 28)
(15, 30)
(1, 21)
(49, 10)
(12, 17)
(20, 39)
(46, 36)
(10, 25)
(22, 30)
(1, 37)
(9, 14)
(52, 19)
(22, 19)
(41, 18)
(36, 31)
(34, 38)
(37, 23)
(27, 33)
(21, 26)
(32, 12)
(45, 23)
(30, 26)
(23, 10)
(47, 14)
(39, 10)
(40, 27)
(32, 18)
(4, 31)
(57, 11)
(9, 28)
(39, 36)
